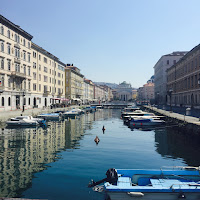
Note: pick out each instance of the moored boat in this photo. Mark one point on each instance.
(23, 121)
(50, 116)
(155, 184)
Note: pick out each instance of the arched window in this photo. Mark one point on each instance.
(8, 33)
(2, 101)
(8, 101)
(8, 49)
(2, 30)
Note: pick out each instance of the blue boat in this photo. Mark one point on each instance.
(159, 184)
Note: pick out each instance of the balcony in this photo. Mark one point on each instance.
(18, 74)
(17, 60)
(46, 93)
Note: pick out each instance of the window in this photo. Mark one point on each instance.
(167, 62)
(8, 49)
(2, 30)
(39, 87)
(45, 59)
(34, 54)
(8, 34)
(29, 70)
(17, 67)
(34, 87)
(45, 69)
(39, 57)
(39, 67)
(29, 101)
(24, 55)
(29, 86)
(24, 85)
(34, 75)
(29, 45)
(50, 80)
(45, 79)
(25, 69)
(2, 46)
(15, 37)
(24, 42)
(2, 63)
(34, 65)
(174, 61)
(9, 82)
(8, 65)
(39, 77)
(8, 101)
(29, 57)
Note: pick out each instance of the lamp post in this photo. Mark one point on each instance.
(170, 95)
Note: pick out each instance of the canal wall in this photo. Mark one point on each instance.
(185, 123)
(4, 116)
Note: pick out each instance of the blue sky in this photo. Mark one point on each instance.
(109, 40)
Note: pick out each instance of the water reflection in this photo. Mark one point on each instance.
(178, 144)
(26, 151)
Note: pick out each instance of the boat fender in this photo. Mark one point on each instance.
(135, 194)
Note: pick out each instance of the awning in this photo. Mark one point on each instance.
(56, 98)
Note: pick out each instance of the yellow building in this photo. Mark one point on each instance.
(48, 78)
(74, 84)
(15, 66)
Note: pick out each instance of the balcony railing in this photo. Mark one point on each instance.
(18, 74)
(17, 60)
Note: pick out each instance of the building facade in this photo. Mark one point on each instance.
(15, 66)
(48, 78)
(160, 80)
(124, 91)
(74, 83)
(183, 80)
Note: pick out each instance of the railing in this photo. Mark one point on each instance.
(18, 74)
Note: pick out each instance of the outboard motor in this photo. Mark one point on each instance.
(112, 178)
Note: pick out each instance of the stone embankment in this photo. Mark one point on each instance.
(4, 116)
(188, 123)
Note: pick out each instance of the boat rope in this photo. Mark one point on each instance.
(98, 188)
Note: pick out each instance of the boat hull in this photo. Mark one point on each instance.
(152, 196)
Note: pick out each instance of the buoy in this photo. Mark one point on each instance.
(97, 140)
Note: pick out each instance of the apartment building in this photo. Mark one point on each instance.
(48, 78)
(183, 80)
(15, 66)
(160, 80)
(90, 90)
(74, 83)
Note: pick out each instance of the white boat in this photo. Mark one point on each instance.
(71, 113)
(136, 113)
(145, 121)
(50, 116)
(154, 184)
(23, 121)
(39, 120)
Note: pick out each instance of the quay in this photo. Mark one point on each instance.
(188, 123)
(5, 115)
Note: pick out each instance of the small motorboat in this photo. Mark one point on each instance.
(39, 120)
(166, 184)
(23, 121)
(50, 116)
(72, 113)
(145, 121)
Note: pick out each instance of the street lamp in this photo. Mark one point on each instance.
(170, 95)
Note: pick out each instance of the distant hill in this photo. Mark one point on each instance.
(111, 85)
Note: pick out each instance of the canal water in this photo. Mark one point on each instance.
(57, 162)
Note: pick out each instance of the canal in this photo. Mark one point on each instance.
(57, 162)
